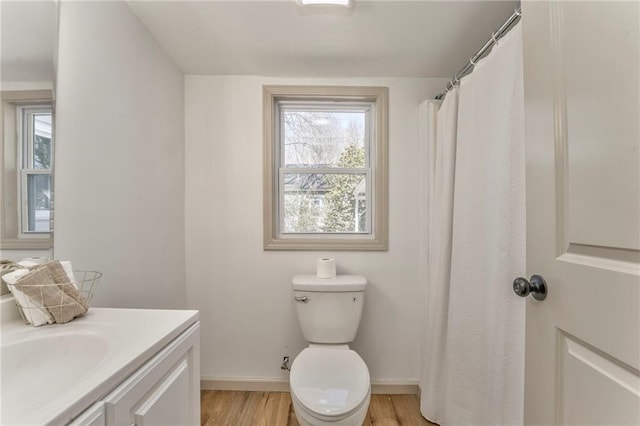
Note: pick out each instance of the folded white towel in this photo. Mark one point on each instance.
(13, 277)
(34, 313)
(68, 269)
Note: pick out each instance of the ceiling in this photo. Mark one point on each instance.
(280, 38)
(28, 33)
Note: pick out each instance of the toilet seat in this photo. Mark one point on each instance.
(330, 381)
(313, 418)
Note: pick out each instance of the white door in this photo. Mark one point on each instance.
(583, 217)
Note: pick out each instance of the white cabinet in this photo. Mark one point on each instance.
(164, 391)
(93, 416)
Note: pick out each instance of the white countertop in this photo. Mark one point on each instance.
(40, 364)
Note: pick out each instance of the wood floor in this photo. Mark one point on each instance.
(275, 409)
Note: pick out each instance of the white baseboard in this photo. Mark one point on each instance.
(386, 387)
(394, 387)
(244, 384)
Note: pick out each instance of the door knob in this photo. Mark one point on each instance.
(536, 285)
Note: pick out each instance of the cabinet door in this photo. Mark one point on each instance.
(164, 391)
(168, 402)
(93, 416)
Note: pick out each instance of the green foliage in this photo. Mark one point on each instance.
(42, 160)
(302, 215)
(341, 201)
(41, 153)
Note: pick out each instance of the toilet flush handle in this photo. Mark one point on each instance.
(303, 299)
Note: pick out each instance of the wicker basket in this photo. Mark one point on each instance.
(32, 308)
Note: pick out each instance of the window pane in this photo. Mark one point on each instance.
(38, 202)
(324, 139)
(42, 141)
(325, 203)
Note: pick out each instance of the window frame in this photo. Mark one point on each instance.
(23, 217)
(26, 140)
(283, 106)
(11, 159)
(25, 115)
(376, 166)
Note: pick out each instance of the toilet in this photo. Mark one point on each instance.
(329, 382)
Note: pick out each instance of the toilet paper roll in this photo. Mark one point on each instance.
(326, 267)
(33, 261)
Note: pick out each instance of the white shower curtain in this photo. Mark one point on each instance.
(442, 149)
(473, 369)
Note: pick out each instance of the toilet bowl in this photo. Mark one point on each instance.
(330, 385)
(329, 382)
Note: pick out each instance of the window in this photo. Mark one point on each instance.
(35, 138)
(26, 158)
(325, 168)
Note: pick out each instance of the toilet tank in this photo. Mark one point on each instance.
(329, 309)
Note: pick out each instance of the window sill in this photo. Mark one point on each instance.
(26, 244)
(316, 244)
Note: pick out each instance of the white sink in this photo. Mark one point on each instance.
(50, 374)
(41, 366)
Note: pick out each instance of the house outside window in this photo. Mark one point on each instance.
(325, 168)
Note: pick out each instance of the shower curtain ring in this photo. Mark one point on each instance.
(494, 38)
(472, 62)
(518, 11)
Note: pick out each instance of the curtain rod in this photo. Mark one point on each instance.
(484, 49)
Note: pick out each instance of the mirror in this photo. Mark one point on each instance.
(28, 38)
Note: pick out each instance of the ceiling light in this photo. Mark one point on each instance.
(346, 3)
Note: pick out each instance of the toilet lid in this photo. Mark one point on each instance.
(329, 382)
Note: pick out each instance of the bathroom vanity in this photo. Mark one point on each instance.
(110, 367)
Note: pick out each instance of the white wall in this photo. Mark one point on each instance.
(119, 175)
(243, 292)
(28, 37)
